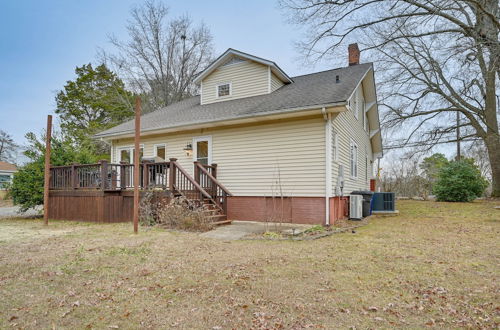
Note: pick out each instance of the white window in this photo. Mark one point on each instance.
(365, 118)
(366, 168)
(354, 160)
(223, 89)
(335, 146)
(355, 104)
(160, 150)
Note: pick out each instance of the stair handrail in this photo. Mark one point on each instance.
(173, 161)
(204, 170)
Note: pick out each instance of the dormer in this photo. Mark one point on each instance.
(236, 75)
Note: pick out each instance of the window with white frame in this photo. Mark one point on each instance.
(335, 146)
(354, 159)
(365, 118)
(366, 168)
(161, 151)
(223, 89)
(355, 104)
(126, 154)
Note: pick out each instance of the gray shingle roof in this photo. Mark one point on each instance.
(308, 90)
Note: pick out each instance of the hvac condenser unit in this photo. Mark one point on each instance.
(356, 207)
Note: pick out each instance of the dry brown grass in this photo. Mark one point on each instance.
(436, 264)
(5, 202)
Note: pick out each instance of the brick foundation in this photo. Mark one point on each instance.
(305, 210)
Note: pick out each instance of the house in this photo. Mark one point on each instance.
(7, 171)
(305, 141)
(256, 144)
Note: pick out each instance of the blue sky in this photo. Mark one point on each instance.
(41, 43)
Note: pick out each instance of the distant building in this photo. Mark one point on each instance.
(7, 171)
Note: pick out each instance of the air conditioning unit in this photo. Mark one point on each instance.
(356, 207)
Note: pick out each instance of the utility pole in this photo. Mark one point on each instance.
(458, 136)
(48, 137)
(137, 139)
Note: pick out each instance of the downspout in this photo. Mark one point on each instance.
(328, 163)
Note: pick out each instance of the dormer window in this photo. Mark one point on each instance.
(223, 89)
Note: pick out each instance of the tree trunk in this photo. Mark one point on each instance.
(493, 146)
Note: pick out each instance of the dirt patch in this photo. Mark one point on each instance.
(6, 203)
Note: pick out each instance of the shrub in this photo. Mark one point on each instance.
(26, 189)
(180, 213)
(459, 181)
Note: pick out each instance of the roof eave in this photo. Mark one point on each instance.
(270, 115)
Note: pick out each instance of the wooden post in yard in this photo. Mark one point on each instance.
(137, 166)
(48, 137)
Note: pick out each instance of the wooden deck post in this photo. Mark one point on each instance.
(104, 173)
(145, 174)
(214, 170)
(48, 137)
(196, 171)
(172, 176)
(73, 176)
(137, 140)
(123, 175)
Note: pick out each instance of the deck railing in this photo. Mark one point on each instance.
(205, 175)
(170, 176)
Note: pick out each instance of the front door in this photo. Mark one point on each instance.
(202, 149)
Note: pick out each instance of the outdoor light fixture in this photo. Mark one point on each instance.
(188, 149)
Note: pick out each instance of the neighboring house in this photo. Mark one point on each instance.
(310, 139)
(7, 171)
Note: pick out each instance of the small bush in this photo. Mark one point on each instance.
(180, 213)
(459, 181)
(314, 229)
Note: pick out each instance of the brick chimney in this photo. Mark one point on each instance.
(353, 54)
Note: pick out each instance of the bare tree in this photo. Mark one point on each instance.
(162, 56)
(434, 58)
(7, 147)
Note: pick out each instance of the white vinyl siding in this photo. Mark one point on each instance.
(275, 82)
(349, 128)
(247, 79)
(250, 158)
(335, 146)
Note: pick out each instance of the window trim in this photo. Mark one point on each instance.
(155, 151)
(353, 146)
(221, 84)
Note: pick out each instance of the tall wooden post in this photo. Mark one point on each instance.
(137, 166)
(458, 137)
(46, 184)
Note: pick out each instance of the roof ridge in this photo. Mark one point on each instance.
(323, 71)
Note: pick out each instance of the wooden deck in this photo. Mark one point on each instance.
(103, 192)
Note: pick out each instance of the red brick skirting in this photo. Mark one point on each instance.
(306, 210)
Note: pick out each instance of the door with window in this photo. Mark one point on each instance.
(126, 154)
(202, 149)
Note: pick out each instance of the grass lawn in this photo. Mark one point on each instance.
(436, 264)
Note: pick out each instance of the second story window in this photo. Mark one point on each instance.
(224, 89)
(354, 160)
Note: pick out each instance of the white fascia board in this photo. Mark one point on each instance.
(288, 113)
